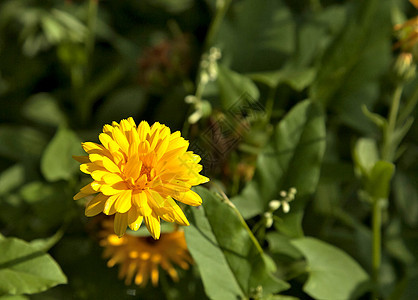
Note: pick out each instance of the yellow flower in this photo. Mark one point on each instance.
(137, 173)
(139, 257)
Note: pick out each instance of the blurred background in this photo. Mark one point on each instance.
(67, 67)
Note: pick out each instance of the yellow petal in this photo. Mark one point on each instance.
(112, 178)
(175, 214)
(124, 202)
(121, 139)
(140, 200)
(95, 205)
(143, 130)
(133, 167)
(134, 219)
(91, 188)
(154, 274)
(104, 161)
(116, 188)
(190, 198)
(90, 147)
(109, 208)
(120, 223)
(99, 174)
(88, 168)
(153, 224)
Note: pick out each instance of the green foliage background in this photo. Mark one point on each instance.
(306, 95)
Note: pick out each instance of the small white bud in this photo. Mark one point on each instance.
(269, 219)
(292, 191)
(194, 117)
(283, 194)
(190, 99)
(204, 78)
(286, 207)
(274, 204)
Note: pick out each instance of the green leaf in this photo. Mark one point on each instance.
(297, 79)
(21, 143)
(258, 36)
(57, 162)
(232, 86)
(11, 178)
(280, 244)
(230, 260)
(351, 68)
(292, 158)
(365, 155)
(332, 273)
(43, 108)
(378, 184)
(47, 243)
(25, 270)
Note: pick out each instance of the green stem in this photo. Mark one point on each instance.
(216, 22)
(376, 246)
(388, 151)
(250, 233)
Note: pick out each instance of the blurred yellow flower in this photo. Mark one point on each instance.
(407, 32)
(137, 173)
(139, 256)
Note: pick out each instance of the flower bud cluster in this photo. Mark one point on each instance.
(276, 204)
(208, 72)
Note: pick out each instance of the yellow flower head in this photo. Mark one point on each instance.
(137, 172)
(139, 257)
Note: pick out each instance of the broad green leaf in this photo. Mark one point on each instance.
(332, 273)
(43, 108)
(25, 270)
(280, 244)
(378, 184)
(20, 143)
(291, 159)
(230, 260)
(57, 162)
(11, 178)
(365, 155)
(232, 86)
(258, 36)
(47, 243)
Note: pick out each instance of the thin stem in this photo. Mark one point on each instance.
(376, 246)
(250, 233)
(388, 150)
(221, 9)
